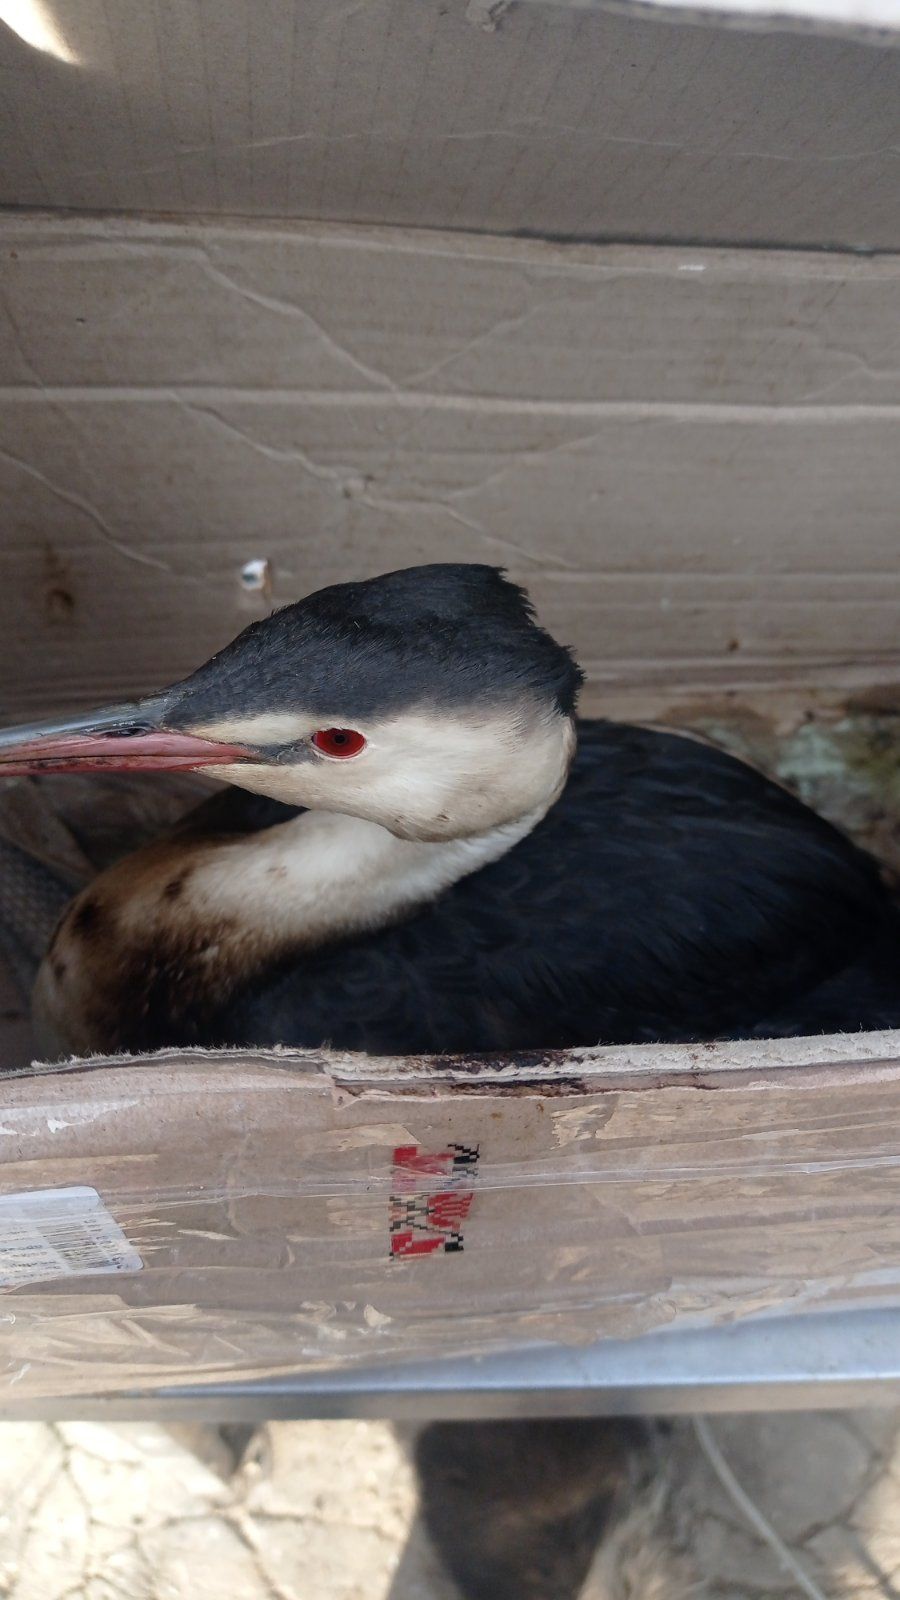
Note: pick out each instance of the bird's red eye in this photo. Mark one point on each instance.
(338, 741)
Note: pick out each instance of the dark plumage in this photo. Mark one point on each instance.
(672, 893)
(447, 635)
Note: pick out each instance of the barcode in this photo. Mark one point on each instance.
(60, 1233)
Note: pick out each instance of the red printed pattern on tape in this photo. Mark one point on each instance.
(431, 1194)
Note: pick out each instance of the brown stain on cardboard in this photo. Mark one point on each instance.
(56, 588)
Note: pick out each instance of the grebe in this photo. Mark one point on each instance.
(425, 852)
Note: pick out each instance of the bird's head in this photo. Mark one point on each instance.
(427, 700)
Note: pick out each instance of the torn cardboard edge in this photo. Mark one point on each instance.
(831, 1058)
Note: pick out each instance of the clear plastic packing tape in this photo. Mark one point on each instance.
(211, 1216)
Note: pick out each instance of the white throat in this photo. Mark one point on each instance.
(241, 903)
(323, 875)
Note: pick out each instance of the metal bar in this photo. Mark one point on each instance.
(818, 1360)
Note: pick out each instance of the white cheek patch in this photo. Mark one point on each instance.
(453, 776)
(429, 776)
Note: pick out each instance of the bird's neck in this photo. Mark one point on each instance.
(323, 875)
(171, 932)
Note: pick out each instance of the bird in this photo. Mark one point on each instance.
(421, 849)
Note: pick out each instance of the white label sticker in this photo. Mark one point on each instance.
(60, 1233)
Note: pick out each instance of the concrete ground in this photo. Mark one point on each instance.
(768, 1506)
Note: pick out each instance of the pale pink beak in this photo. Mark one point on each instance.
(127, 738)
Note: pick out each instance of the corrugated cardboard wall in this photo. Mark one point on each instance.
(560, 121)
(690, 457)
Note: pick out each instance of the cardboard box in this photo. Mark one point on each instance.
(687, 456)
(309, 338)
(475, 115)
(292, 1211)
